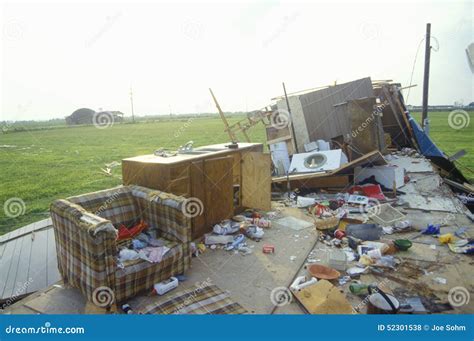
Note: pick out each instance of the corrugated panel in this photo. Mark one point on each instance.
(323, 119)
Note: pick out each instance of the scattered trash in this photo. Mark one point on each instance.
(268, 248)
(212, 239)
(337, 259)
(238, 239)
(226, 227)
(431, 229)
(323, 272)
(446, 238)
(403, 244)
(381, 302)
(355, 271)
(254, 232)
(292, 223)
(440, 280)
(127, 309)
(165, 286)
(364, 231)
(127, 255)
(301, 282)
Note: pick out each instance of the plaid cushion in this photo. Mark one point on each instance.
(208, 299)
(86, 242)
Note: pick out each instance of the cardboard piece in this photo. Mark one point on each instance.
(324, 298)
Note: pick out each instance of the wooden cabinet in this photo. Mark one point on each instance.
(222, 179)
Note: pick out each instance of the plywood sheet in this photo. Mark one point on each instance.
(323, 298)
(256, 180)
(218, 184)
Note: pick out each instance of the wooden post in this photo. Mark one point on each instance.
(291, 119)
(226, 124)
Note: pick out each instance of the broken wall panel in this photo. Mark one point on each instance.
(366, 133)
(318, 114)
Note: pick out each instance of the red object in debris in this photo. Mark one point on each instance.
(268, 248)
(129, 233)
(320, 209)
(339, 234)
(369, 190)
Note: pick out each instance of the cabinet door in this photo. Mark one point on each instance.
(212, 183)
(256, 180)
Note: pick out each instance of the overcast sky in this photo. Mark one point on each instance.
(58, 57)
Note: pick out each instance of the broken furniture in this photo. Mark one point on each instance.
(211, 177)
(85, 231)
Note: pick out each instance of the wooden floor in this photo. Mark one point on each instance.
(27, 260)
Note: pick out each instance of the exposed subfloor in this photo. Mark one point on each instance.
(428, 270)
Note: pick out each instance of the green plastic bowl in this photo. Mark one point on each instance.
(403, 244)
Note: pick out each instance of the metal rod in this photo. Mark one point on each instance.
(426, 79)
(290, 118)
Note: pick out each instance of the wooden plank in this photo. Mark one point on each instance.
(51, 260)
(38, 260)
(5, 264)
(26, 230)
(334, 181)
(218, 184)
(256, 180)
(198, 191)
(12, 271)
(22, 280)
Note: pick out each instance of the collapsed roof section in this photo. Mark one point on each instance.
(358, 117)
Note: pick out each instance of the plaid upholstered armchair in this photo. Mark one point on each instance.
(87, 250)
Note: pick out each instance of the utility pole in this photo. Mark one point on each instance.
(426, 80)
(290, 118)
(131, 103)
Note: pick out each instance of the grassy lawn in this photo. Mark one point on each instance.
(39, 166)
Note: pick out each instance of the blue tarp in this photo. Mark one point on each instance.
(426, 145)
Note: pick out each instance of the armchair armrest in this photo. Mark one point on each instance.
(85, 245)
(163, 211)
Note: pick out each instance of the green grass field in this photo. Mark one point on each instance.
(41, 165)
